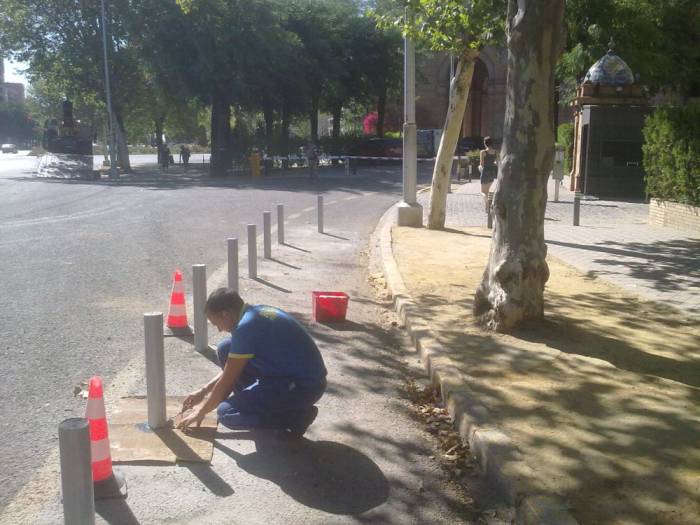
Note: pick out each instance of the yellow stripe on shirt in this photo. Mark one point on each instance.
(241, 356)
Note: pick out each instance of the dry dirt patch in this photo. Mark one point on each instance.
(603, 397)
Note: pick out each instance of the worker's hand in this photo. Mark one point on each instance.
(194, 418)
(193, 399)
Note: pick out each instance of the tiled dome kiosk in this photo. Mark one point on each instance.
(609, 111)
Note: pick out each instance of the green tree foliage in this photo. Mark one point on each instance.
(565, 138)
(671, 154)
(16, 124)
(658, 40)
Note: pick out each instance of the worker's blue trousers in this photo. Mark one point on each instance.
(264, 402)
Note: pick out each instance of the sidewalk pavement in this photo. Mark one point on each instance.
(594, 416)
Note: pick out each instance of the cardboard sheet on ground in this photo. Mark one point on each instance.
(132, 441)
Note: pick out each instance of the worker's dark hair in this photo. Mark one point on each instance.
(488, 142)
(223, 299)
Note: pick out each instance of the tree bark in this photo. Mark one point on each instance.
(511, 292)
(337, 115)
(459, 94)
(313, 117)
(269, 115)
(158, 124)
(220, 135)
(285, 132)
(381, 110)
(122, 146)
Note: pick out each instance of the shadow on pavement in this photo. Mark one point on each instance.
(116, 511)
(324, 475)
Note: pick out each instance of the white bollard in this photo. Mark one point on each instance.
(199, 301)
(280, 223)
(233, 263)
(252, 252)
(155, 369)
(76, 471)
(320, 214)
(267, 235)
(556, 190)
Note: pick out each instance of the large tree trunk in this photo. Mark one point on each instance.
(122, 146)
(459, 94)
(269, 116)
(285, 132)
(158, 124)
(337, 115)
(512, 288)
(381, 110)
(313, 117)
(220, 135)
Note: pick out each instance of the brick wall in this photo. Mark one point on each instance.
(674, 215)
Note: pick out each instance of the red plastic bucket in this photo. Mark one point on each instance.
(329, 306)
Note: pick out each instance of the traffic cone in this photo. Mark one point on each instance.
(177, 313)
(107, 482)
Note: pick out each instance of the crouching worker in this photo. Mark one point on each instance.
(272, 372)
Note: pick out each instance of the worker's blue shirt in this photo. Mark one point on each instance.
(276, 346)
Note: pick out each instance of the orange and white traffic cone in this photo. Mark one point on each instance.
(107, 482)
(177, 313)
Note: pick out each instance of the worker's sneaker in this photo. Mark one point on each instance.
(304, 421)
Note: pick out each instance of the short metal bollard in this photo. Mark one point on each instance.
(233, 263)
(280, 223)
(267, 235)
(76, 472)
(347, 166)
(199, 300)
(252, 252)
(320, 213)
(577, 208)
(155, 369)
(489, 218)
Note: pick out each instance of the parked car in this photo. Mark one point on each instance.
(8, 148)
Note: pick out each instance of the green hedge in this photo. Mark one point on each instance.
(565, 138)
(672, 154)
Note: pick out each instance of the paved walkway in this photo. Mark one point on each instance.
(613, 242)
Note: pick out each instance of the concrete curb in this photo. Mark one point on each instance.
(500, 459)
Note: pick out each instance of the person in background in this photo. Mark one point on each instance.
(489, 169)
(184, 156)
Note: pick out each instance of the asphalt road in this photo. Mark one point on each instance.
(82, 261)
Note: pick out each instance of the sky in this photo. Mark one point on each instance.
(12, 74)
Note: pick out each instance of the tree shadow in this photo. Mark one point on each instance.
(324, 475)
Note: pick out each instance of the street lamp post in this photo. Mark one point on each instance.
(410, 213)
(112, 153)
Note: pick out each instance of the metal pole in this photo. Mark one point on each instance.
(556, 190)
(155, 369)
(112, 153)
(489, 219)
(410, 153)
(199, 301)
(252, 252)
(280, 223)
(267, 235)
(233, 263)
(320, 213)
(410, 213)
(347, 166)
(76, 472)
(577, 208)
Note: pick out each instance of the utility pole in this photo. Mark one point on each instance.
(410, 213)
(112, 152)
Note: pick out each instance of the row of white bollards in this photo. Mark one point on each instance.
(74, 433)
